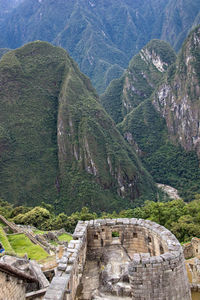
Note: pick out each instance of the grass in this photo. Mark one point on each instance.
(5, 242)
(22, 245)
(53, 243)
(37, 231)
(65, 237)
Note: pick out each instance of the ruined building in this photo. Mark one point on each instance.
(121, 259)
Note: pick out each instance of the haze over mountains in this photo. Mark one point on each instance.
(102, 36)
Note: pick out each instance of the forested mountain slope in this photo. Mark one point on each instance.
(57, 144)
(139, 80)
(162, 119)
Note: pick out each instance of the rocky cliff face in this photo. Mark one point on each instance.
(178, 97)
(56, 141)
(156, 106)
(139, 80)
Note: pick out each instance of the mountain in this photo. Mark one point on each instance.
(177, 99)
(178, 20)
(101, 36)
(139, 80)
(57, 144)
(162, 119)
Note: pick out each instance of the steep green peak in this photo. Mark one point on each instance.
(159, 53)
(139, 80)
(57, 144)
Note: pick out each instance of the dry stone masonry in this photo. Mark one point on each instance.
(122, 258)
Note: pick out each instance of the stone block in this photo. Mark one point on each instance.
(62, 267)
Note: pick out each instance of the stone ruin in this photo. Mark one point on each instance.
(121, 259)
(21, 279)
(192, 249)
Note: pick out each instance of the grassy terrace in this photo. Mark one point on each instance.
(65, 237)
(22, 245)
(62, 238)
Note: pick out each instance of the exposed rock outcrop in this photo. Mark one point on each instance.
(139, 80)
(178, 97)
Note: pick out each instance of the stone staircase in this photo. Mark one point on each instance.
(12, 226)
(17, 229)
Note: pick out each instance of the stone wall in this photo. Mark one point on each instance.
(70, 268)
(156, 270)
(36, 295)
(161, 277)
(11, 287)
(135, 238)
(192, 248)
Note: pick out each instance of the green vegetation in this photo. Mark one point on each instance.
(166, 162)
(5, 242)
(115, 234)
(182, 218)
(178, 216)
(22, 245)
(37, 231)
(112, 99)
(144, 127)
(139, 80)
(162, 50)
(65, 237)
(58, 144)
(28, 161)
(35, 217)
(5, 208)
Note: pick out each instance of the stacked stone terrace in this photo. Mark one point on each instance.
(156, 269)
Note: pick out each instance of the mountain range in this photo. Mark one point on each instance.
(101, 36)
(156, 106)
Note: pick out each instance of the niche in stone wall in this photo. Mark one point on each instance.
(161, 249)
(96, 237)
(149, 240)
